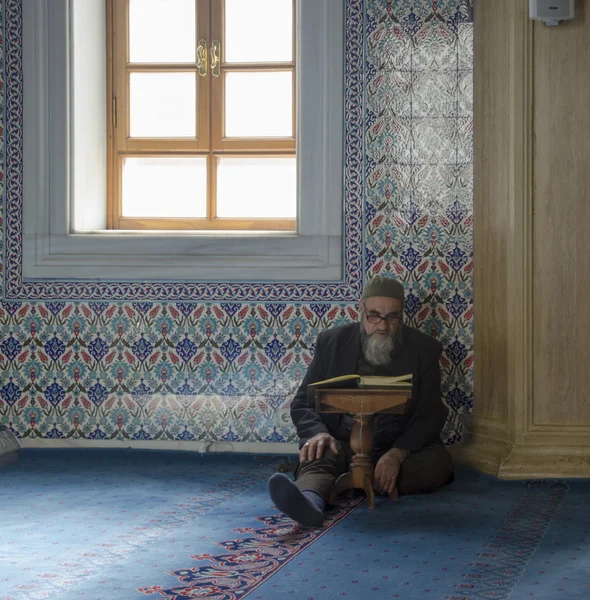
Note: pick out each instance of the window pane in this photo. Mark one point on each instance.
(162, 31)
(256, 187)
(165, 187)
(258, 31)
(259, 104)
(162, 105)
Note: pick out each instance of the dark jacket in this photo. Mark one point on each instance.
(337, 353)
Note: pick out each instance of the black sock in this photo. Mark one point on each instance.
(316, 499)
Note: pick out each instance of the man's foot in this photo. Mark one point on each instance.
(289, 499)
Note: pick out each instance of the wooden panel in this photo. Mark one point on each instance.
(365, 401)
(531, 215)
(561, 220)
(491, 206)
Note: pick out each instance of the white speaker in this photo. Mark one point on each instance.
(552, 11)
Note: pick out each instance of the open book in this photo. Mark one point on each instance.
(360, 381)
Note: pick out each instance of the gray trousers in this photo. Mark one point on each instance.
(421, 472)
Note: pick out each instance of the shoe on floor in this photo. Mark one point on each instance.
(291, 501)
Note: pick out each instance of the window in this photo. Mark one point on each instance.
(65, 234)
(202, 114)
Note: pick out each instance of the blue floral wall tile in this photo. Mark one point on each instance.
(178, 361)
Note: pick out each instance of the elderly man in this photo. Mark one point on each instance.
(408, 454)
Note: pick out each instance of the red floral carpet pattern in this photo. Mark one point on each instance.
(248, 561)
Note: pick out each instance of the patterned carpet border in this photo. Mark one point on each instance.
(249, 561)
(98, 558)
(504, 558)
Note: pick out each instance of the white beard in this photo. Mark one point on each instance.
(377, 350)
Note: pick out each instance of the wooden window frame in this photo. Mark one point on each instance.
(210, 141)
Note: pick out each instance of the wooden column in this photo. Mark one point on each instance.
(531, 415)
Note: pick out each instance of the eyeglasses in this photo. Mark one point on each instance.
(390, 319)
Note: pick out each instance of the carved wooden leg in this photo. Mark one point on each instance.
(361, 438)
(360, 475)
(369, 491)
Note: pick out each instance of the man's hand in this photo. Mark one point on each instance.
(314, 448)
(387, 470)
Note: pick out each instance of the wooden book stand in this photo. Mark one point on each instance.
(361, 404)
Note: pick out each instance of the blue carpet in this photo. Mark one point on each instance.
(125, 525)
